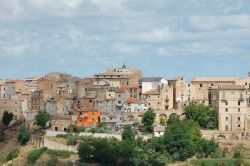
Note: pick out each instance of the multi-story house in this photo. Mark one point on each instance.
(133, 105)
(202, 84)
(121, 77)
(37, 101)
(120, 97)
(31, 83)
(11, 105)
(231, 104)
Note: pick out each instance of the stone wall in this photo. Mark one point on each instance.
(39, 141)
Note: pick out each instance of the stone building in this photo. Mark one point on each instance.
(31, 83)
(62, 122)
(231, 104)
(11, 105)
(133, 105)
(183, 92)
(120, 77)
(37, 100)
(202, 84)
(120, 97)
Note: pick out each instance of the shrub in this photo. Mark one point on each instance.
(71, 140)
(17, 123)
(12, 155)
(35, 154)
(69, 163)
(52, 162)
(23, 135)
(59, 153)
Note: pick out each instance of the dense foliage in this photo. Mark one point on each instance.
(7, 118)
(59, 153)
(128, 134)
(13, 154)
(23, 135)
(106, 151)
(205, 116)
(42, 118)
(182, 140)
(35, 154)
(148, 120)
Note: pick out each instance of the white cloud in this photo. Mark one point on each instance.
(220, 22)
(125, 48)
(153, 36)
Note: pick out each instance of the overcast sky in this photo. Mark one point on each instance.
(160, 37)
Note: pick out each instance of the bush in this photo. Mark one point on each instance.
(237, 154)
(12, 155)
(71, 140)
(52, 162)
(17, 123)
(23, 135)
(59, 153)
(35, 154)
(69, 163)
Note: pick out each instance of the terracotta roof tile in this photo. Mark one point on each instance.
(120, 90)
(131, 100)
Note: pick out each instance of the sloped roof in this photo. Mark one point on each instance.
(231, 87)
(215, 79)
(152, 92)
(91, 95)
(150, 79)
(120, 90)
(131, 100)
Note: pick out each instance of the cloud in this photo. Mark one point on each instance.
(125, 48)
(220, 22)
(103, 32)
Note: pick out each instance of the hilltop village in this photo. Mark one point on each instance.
(119, 97)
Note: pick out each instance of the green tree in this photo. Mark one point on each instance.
(12, 154)
(205, 116)
(181, 139)
(42, 118)
(106, 151)
(148, 120)
(23, 135)
(7, 118)
(206, 147)
(162, 121)
(128, 134)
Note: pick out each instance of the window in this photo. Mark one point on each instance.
(238, 125)
(238, 102)
(226, 103)
(119, 102)
(238, 109)
(201, 85)
(226, 109)
(119, 95)
(238, 118)
(226, 127)
(226, 118)
(90, 101)
(223, 95)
